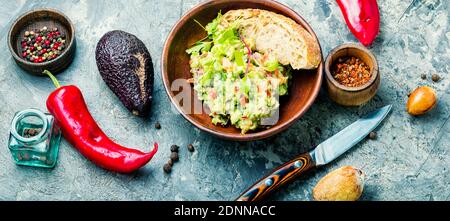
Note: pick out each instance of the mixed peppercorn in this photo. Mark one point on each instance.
(351, 72)
(42, 45)
(31, 132)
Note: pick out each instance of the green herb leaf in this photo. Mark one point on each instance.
(199, 46)
(212, 26)
(271, 65)
(227, 35)
(282, 89)
(239, 57)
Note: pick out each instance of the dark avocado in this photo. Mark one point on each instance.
(126, 66)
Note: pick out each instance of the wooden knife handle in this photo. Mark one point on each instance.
(281, 175)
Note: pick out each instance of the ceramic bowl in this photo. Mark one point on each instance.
(37, 19)
(304, 87)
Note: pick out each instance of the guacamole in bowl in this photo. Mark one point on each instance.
(238, 84)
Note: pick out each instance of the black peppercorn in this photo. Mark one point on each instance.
(373, 135)
(423, 76)
(435, 77)
(167, 168)
(157, 125)
(170, 162)
(174, 156)
(191, 148)
(174, 148)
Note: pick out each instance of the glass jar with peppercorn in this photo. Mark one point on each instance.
(34, 139)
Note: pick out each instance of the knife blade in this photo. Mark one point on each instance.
(324, 153)
(345, 139)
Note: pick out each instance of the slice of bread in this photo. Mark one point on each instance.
(276, 34)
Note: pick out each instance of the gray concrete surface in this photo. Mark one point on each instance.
(410, 160)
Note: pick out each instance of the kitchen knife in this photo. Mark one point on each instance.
(324, 153)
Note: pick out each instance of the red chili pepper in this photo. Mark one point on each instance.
(78, 127)
(362, 17)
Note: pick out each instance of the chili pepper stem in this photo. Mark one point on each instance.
(53, 78)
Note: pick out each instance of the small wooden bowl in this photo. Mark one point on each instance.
(351, 96)
(175, 66)
(37, 19)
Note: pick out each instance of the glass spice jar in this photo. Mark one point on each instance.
(34, 139)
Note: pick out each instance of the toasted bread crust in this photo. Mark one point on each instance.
(277, 34)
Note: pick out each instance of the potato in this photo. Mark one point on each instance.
(343, 184)
(421, 100)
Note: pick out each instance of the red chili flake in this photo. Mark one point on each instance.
(351, 72)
